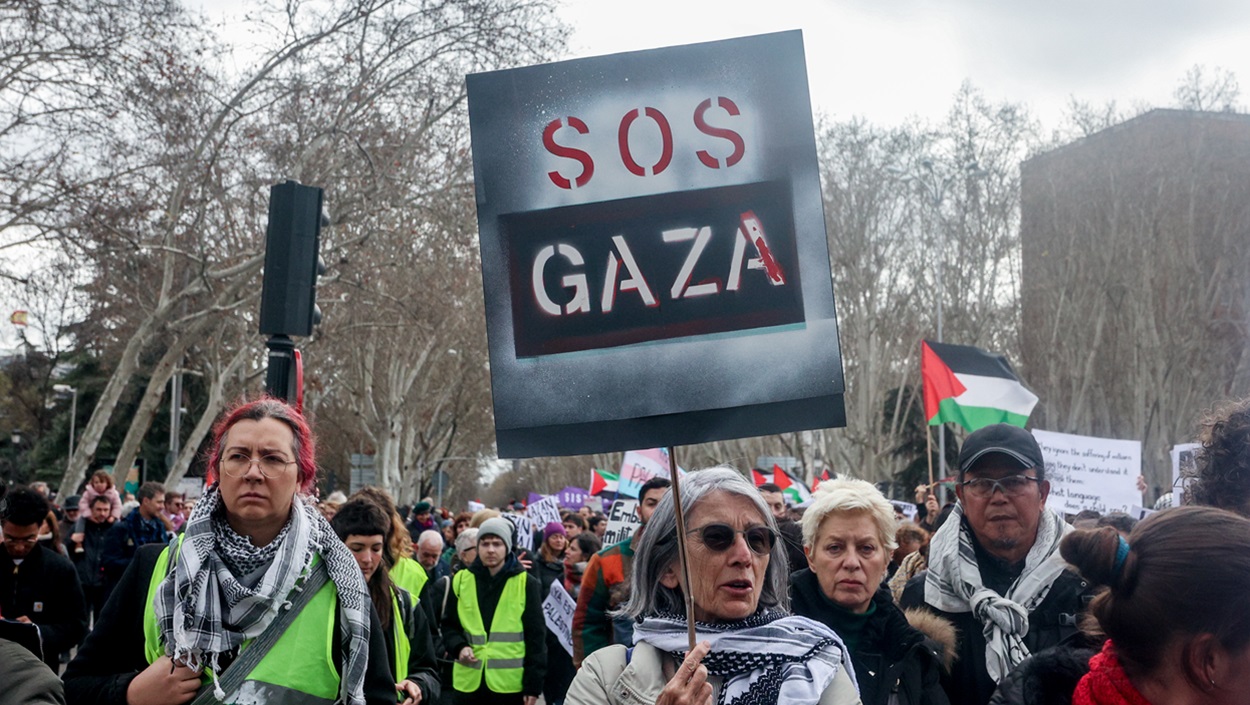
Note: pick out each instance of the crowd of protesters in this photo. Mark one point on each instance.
(256, 593)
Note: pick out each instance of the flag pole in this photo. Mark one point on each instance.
(928, 438)
(681, 545)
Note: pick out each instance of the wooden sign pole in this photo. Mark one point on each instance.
(681, 544)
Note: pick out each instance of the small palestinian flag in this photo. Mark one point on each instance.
(795, 491)
(603, 482)
(971, 387)
(822, 477)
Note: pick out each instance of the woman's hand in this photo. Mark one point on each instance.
(931, 505)
(689, 685)
(466, 656)
(163, 683)
(409, 691)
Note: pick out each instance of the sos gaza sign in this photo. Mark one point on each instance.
(653, 250)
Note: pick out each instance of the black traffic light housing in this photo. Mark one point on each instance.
(288, 300)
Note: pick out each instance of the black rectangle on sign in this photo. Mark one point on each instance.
(652, 268)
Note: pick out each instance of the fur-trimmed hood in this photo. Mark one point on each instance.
(937, 630)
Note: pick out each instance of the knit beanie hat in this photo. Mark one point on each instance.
(496, 527)
(554, 527)
(421, 508)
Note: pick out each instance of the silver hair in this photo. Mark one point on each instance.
(429, 536)
(657, 551)
(847, 496)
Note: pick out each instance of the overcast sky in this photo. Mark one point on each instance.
(887, 60)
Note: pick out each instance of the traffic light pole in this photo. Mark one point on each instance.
(280, 378)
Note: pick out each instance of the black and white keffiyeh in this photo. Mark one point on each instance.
(205, 609)
(953, 584)
(769, 657)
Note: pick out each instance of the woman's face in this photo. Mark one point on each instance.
(368, 552)
(557, 542)
(848, 559)
(253, 499)
(726, 585)
(573, 554)
(468, 555)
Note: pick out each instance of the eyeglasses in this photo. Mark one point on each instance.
(238, 464)
(1012, 485)
(720, 537)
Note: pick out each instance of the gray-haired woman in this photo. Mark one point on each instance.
(750, 651)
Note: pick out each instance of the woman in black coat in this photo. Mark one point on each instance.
(848, 532)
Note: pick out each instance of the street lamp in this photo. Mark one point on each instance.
(73, 417)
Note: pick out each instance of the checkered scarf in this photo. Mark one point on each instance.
(769, 657)
(953, 584)
(204, 610)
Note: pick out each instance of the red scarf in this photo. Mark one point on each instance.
(1106, 683)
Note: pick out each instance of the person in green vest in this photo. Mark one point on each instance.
(494, 625)
(223, 611)
(365, 528)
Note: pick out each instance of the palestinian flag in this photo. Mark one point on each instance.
(794, 490)
(603, 483)
(971, 387)
(822, 477)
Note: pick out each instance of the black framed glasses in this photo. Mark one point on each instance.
(720, 537)
(236, 464)
(1012, 485)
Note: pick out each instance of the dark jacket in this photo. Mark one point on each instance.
(422, 666)
(125, 537)
(45, 589)
(489, 590)
(792, 539)
(89, 562)
(1049, 677)
(1051, 622)
(894, 662)
(112, 655)
(546, 572)
(26, 679)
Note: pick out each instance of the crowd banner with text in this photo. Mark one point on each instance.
(524, 530)
(652, 239)
(1090, 473)
(638, 466)
(622, 521)
(544, 511)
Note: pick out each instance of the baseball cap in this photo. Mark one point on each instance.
(1012, 441)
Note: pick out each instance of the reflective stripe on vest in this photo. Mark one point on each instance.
(502, 654)
(403, 649)
(409, 575)
(294, 671)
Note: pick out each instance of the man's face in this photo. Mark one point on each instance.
(71, 513)
(150, 506)
(19, 541)
(776, 504)
(428, 555)
(100, 511)
(173, 505)
(492, 551)
(1005, 524)
(571, 529)
(585, 512)
(648, 503)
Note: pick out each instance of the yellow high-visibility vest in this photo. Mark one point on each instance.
(501, 654)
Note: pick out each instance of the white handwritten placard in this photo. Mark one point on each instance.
(1090, 473)
(622, 521)
(558, 611)
(544, 511)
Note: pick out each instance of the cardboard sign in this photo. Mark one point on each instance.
(623, 521)
(558, 611)
(908, 509)
(639, 466)
(652, 237)
(544, 511)
(1090, 473)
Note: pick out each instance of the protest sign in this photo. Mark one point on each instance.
(475, 506)
(652, 236)
(1090, 473)
(909, 510)
(640, 466)
(558, 611)
(524, 530)
(191, 487)
(543, 512)
(622, 521)
(574, 497)
(1184, 464)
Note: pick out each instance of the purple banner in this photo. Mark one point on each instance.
(574, 497)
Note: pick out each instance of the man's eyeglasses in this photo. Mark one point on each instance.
(720, 537)
(1012, 485)
(271, 465)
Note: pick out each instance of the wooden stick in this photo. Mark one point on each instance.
(681, 544)
(928, 439)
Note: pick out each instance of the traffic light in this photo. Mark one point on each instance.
(288, 300)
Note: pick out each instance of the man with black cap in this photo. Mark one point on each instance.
(493, 625)
(994, 567)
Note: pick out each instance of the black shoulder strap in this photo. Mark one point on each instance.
(250, 657)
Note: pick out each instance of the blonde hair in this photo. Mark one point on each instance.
(850, 496)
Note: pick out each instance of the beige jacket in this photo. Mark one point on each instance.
(605, 678)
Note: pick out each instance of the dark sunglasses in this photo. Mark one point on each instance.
(720, 537)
